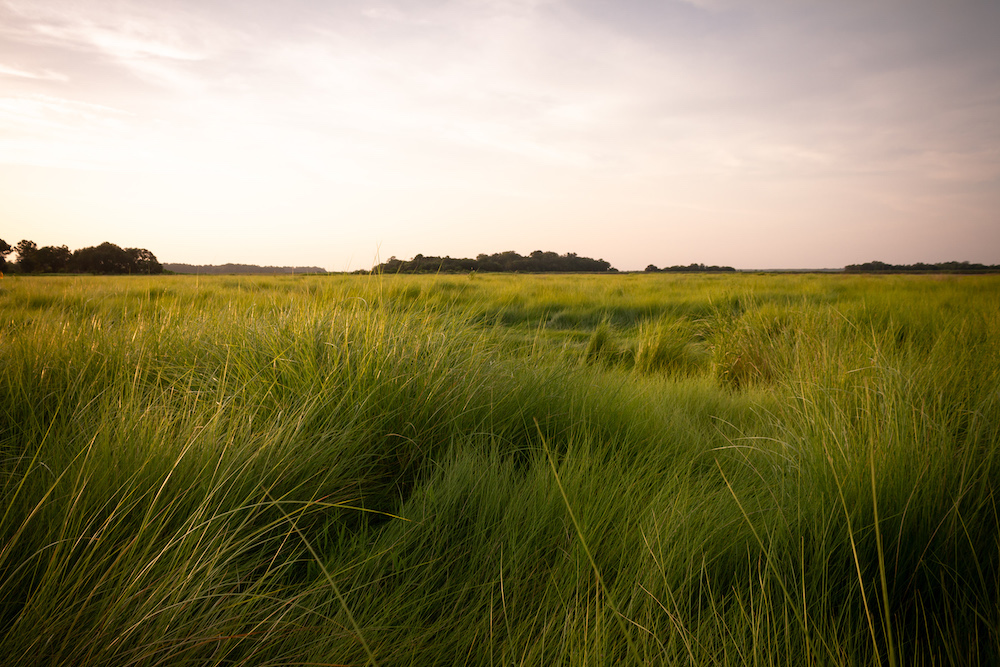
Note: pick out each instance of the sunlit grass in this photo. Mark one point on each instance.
(500, 469)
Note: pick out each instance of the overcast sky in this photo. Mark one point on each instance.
(752, 133)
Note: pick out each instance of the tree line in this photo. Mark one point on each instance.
(502, 262)
(690, 268)
(920, 267)
(230, 269)
(106, 258)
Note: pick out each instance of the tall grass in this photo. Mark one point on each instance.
(505, 469)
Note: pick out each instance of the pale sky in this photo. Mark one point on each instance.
(750, 133)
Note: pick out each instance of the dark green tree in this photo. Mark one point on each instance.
(143, 261)
(5, 249)
(106, 258)
(51, 259)
(26, 255)
(508, 261)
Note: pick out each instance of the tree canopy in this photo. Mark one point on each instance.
(5, 249)
(690, 268)
(213, 269)
(501, 262)
(920, 267)
(106, 258)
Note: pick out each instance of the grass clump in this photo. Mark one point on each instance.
(669, 347)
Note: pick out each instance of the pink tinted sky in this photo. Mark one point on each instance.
(764, 134)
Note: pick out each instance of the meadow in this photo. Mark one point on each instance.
(500, 470)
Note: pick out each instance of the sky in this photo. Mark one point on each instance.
(338, 133)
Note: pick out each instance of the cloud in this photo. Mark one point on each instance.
(43, 75)
(579, 84)
(704, 4)
(111, 29)
(128, 40)
(42, 130)
(158, 43)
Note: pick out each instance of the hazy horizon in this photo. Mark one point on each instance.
(771, 134)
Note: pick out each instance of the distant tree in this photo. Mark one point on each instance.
(695, 267)
(26, 255)
(651, 268)
(392, 265)
(920, 267)
(143, 261)
(106, 258)
(224, 269)
(5, 249)
(51, 259)
(508, 261)
(868, 267)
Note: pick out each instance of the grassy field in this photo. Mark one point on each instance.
(498, 470)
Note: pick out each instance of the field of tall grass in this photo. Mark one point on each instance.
(497, 470)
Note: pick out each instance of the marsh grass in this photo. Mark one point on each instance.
(499, 470)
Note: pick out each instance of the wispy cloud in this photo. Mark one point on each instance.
(124, 31)
(157, 44)
(39, 75)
